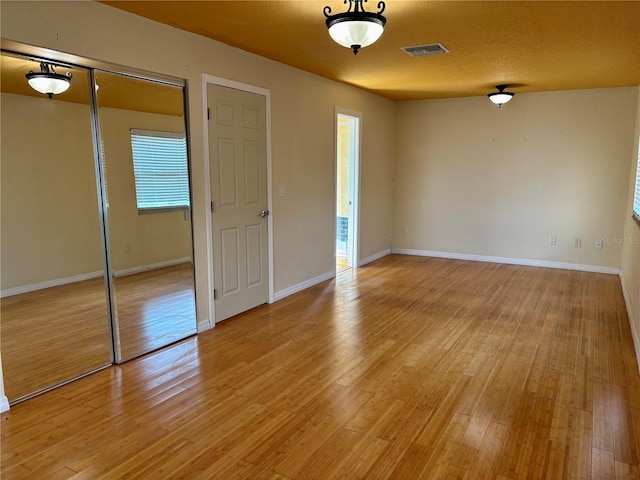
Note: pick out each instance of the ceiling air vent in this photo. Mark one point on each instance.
(423, 50)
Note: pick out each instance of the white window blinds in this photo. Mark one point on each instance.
(636, 198)
(160, 168)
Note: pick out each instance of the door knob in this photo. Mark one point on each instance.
(264, 213)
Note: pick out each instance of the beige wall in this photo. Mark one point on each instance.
(475, 179)
(631, 247)
(50, 221)
(302, 127)
(49, 224)
(138, 240)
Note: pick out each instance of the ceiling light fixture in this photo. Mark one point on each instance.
(47, 81)
(500, 97)
(355, 28)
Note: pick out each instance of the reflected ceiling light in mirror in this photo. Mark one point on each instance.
(47, 81)
(500, 97)
(355, 28)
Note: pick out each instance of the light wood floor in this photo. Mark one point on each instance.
(342, 264)
(406, 368)
(155, 308)
(53, 334)
(50, 335)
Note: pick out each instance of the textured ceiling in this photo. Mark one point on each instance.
(532, 46)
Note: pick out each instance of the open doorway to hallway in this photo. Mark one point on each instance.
(347, 195)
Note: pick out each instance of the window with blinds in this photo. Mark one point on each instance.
(161, 171)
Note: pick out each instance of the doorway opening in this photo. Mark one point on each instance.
(347, 182)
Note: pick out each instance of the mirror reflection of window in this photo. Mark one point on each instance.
(55, 319)
(143, 133)
(161, 170)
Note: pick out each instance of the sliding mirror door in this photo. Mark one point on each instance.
(54, 318)
(144, 149)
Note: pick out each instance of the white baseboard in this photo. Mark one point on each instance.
(4, 404)
(88, 276)
(507, 260)
(204, 325)
(50, 283)
(153, 266)
(321, 278)
(374, 257)
(303, 285)
(634, 332)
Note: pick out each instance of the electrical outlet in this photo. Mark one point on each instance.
(126, 248)
(598, 244)
(578, 242)
(404, 230)
(282, 190)
(553, 240)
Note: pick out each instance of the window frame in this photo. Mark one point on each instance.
(635, 200)
(146, 210)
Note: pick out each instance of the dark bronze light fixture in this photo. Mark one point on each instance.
(355, 28)
(47, 81)
(500, 97)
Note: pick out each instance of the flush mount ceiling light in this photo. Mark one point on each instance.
(500, 97)
(355, 28)
(47, 81)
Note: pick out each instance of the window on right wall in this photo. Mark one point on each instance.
(636, 198)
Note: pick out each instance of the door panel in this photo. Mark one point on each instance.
(224, 112)
(251, 155)
(230, 260)
(254, 261)
(227, 164)
(238, 166)
(250, 117)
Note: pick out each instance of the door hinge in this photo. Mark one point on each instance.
(212, 207)
(215, 294)
(208, 113)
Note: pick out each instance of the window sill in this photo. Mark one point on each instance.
(636, 218)
(148, 211)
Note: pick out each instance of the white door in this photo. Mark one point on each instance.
(238, 169)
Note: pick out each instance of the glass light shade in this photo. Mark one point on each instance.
(355, 32)
(48, 84)
(500, 98)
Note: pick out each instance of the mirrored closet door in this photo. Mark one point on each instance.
(95, 226)
(54, 321)
(144, 149)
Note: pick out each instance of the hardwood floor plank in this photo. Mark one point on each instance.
(624, 471)
(406, 368)
(624, 440)
(51, 335)
(602, 465)
(486, 460)
(370, 450)
(579, 461)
